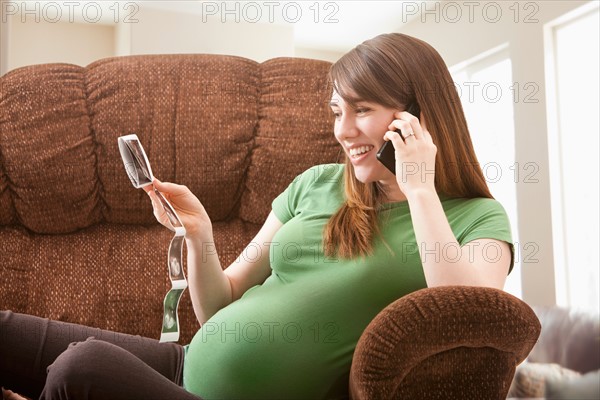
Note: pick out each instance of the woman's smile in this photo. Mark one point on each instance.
(360, 152)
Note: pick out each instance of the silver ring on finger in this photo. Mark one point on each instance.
(406, 135)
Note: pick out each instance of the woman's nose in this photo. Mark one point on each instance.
(347, 128)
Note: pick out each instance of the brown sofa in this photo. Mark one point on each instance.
(78, 243)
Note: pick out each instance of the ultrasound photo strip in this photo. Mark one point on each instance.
(170, 324)
(139, 172)
(136, 163)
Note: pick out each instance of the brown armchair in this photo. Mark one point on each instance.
(79, 244)
(449, 342)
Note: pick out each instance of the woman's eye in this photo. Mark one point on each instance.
(336, 114)
(361, 110)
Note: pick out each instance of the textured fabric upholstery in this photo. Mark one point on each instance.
(449, 342)
(78, 243)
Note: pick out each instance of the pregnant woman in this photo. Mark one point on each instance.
(341, 243)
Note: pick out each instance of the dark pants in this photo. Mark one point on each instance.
(58, 360)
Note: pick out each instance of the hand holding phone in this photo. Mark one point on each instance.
(386, 154)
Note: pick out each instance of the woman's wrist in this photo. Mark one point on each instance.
(414, 196)
(199, 235)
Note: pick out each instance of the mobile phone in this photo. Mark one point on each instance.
(386, 154)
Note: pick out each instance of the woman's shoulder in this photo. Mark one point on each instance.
(475, 205)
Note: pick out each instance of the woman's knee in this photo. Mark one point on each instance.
(75, 368)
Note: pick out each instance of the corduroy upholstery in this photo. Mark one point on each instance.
(78, 243)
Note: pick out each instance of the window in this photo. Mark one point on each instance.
(486, 92)
(573, 100)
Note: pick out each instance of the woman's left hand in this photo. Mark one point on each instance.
(415, 155)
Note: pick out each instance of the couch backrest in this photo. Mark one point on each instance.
(569, 337)
(235, 131)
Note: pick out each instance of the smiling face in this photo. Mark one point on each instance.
(359, 128)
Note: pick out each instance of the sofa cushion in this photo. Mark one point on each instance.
(108, 276)
(47, 150)
(570, 337)
(7, 210)
(530, 378)
(195, 116)
(586, 386)
(60, 167)
(15, 268)
(295, 130)
(230, 129)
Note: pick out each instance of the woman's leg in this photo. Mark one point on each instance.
(95, 369)
(29, 345)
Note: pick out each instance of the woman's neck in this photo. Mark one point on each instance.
(392, 191)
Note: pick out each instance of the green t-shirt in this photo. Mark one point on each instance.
(293, 337)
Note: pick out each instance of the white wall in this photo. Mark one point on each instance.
(188, 33)
(4, 28)
(331, 56)
(152, 31)
(122, 39)
(463, 33)
(45, 42)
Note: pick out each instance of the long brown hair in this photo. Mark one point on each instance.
(395, 70)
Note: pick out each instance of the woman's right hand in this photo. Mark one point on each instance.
(191, 212)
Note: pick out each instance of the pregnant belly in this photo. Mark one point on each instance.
(280, 341)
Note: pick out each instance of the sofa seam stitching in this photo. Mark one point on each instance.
(102, 200)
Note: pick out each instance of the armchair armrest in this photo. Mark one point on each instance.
(460, 342)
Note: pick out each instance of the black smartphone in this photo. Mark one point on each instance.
(386, 155)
